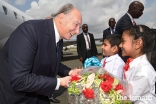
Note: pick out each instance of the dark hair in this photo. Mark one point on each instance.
(153, 53)
(84, 25)
(148, 37)
(114, 39)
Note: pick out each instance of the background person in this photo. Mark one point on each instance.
(135, 10)
(31, 58)
(86, 46)
(111, 29)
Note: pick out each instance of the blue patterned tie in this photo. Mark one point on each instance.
(57, 47)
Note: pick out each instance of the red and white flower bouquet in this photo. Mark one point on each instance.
(96, 86)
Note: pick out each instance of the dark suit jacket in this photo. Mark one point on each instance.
(29, 64)
(81, 46)
(123, 23)
(106, 33)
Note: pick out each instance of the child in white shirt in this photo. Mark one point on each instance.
(139, 42)
(112, 62)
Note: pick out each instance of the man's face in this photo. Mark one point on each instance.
(138, 11)
(85, 28)
(71, 24)
(111, 22)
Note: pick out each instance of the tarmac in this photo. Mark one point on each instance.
(70, 59)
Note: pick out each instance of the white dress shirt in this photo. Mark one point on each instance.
(141, 76)
(114, 65)
(111, 30)
(131, 17)
(57, 38)
(85, 36)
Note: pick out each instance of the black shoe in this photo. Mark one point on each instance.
(54, 100)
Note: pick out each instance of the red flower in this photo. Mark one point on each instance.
(110, 79)
(88, 93)
(126, 67)
(107, 77)
(106, 86)
(118, 87)
(75, 78)
(102, 76)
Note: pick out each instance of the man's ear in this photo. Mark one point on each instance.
(138, 43)
(61, 18)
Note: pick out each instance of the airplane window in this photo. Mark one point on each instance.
(23, 18)
(15, 15)
(5, 10)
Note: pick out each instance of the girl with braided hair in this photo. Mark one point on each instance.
(139, 43)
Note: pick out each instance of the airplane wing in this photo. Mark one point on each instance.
(73, 41)
(68, 42)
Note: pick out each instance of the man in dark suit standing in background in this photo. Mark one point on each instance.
(31, 58)
(86, 46)
(111, 29)
(134, 12)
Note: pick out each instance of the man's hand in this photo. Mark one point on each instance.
(81, 59)
(75, 71)
(65, 81)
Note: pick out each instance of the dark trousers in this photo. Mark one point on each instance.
(88, 54)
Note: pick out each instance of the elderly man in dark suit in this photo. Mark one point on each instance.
(111, 28)
(31, 58)
(134, 12)
(86, 44)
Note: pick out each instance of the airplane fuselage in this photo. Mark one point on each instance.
(10, 18)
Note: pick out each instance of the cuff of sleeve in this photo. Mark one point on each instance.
(58, 84)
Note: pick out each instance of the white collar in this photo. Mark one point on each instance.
(110, 58)
(57, 36)
(130, 17)
(137, 60)
(85, 33)
(111, 28)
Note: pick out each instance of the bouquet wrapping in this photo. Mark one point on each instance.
(96, 86)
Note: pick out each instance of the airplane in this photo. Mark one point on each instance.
(11, 18)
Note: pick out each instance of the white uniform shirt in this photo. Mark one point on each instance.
(114, 65)
(141, 77)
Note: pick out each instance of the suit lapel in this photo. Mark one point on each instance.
(83, 39)
(51, 44)
(109, 32)
(127, 16)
